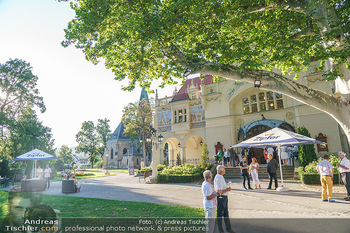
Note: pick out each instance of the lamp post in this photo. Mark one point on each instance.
(156, 144)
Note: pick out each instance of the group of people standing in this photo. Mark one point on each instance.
(252, 169)
(44, 174)
(215, 200)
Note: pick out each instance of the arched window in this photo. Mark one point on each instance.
(125, 150)
(112, 153)
(262, 101)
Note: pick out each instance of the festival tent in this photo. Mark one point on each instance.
(277, 137)
(34, 155)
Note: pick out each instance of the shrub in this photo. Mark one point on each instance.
(178, 160)
(307, 153)
(181, 174)
(309, 174)
(159, 168)
(204, 156)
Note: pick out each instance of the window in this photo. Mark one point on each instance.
(112, 153)
(262, 101)
(125, 150)
(180, 115)
(246, 105)
(279, 100)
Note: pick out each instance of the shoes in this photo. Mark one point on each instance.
(325, 200)
(347, 199)
(245, 188)
(250, 188)
(331, 200)
(268, 188)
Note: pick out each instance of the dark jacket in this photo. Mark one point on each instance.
(272, 166)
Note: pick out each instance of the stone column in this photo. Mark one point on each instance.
(183, 155)
(155, 162)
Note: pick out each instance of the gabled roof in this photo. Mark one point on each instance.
(118, 134)
(182, 93)
(132, 151)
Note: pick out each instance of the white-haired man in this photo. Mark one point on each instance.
(344, 170)
(222, 188)
(209, 201)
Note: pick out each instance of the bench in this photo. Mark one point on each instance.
(144, 175)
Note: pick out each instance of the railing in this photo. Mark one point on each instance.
(172, 163)
(164, 101)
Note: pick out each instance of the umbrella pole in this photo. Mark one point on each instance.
(280, 161)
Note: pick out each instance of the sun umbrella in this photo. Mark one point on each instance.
(277, 137)
(34, 155)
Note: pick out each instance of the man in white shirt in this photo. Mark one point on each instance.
(221, 187)
(344, 170)
(325, 169)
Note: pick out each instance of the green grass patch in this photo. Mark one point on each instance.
(95, 207)
(123, 170)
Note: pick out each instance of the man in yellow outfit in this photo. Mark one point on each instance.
(325, 169)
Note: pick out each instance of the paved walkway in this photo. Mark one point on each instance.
(253, 210)
(298, 202)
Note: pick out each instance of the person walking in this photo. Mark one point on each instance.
(209, 201)
(254, 168)
(244, 168)
(325, 169)
(47, 174)
(272, 166)
(249, 155)
(222, 188)
(344, 170)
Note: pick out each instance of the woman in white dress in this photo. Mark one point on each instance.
(254, 166)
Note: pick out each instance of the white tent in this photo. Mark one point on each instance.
(34, 155)
(277, 137)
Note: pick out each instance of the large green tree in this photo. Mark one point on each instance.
(17, 90)
(234, 39)
(88, 141)
(92, 139)
(137, 118)
(65, 155)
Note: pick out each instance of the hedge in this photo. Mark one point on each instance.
(166, 178)
(314, 178)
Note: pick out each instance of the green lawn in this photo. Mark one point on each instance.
(95, 207)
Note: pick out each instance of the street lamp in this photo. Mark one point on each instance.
(257, 83)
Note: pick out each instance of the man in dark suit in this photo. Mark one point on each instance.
(272, 166)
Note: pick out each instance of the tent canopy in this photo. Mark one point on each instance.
(277, 137)
(34, 155)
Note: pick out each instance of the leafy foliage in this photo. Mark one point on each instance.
(181, 174)
(149, 40)
(91, 140)
(307, 153)
(137, 118)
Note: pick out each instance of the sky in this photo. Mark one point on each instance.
(74, 90)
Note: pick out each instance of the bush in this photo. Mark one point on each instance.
(181, 174)
(204, 156)
(159, 168)
(307, 153)
(309, 174)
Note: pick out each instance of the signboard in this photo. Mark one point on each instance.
(131, 171)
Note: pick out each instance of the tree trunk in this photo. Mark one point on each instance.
(144, 148)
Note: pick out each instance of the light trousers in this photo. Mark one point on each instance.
(210, 215)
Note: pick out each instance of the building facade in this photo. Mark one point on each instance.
(223, 113)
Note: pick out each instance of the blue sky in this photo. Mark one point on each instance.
(74, 89)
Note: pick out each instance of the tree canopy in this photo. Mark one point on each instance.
(235, 39)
